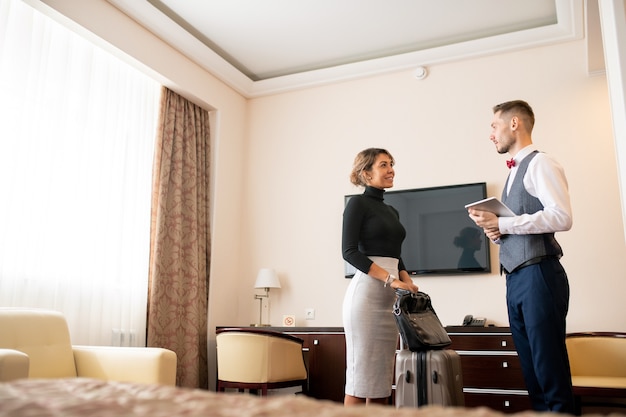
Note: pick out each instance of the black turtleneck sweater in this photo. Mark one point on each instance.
(371, 228)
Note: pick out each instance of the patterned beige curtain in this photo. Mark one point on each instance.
(180, 238)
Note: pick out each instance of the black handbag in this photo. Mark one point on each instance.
(418, 323)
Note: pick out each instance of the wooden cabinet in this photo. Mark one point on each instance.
(492, 374)
(326, 356)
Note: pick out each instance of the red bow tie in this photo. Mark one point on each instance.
(510, 163)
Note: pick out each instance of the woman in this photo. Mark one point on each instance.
(371, 242)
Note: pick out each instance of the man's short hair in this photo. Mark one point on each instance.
(517, 108)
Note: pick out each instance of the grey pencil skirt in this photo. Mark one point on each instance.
(371, 333)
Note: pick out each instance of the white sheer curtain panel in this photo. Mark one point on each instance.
(77, 129)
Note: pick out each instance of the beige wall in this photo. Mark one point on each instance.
(281, 165)
(301, 146)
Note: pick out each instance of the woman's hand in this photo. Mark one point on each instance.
(406, 286)
(404, 283)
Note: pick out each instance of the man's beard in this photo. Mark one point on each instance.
(504, 149)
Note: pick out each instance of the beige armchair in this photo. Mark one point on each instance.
(598, 364)
(36, 343)
(259, 359)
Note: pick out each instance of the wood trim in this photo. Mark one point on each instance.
(260, 331)
(263, 386)
(600, 392)
(597, 334)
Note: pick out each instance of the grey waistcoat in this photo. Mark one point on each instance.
(517, 249)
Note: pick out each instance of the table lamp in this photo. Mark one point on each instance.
(265, 279)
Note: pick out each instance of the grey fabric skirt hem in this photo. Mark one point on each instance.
(371, 333)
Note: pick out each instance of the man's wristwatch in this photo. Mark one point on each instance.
(390, 279)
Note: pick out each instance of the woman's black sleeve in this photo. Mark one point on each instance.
(353, 218)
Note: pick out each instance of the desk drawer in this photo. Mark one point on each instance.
(495, 342)
(503, 402)
(492, 371)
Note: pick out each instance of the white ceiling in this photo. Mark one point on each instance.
(261, 47)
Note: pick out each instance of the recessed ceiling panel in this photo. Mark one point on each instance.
(271, 38)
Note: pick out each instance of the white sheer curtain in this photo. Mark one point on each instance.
(77, 129)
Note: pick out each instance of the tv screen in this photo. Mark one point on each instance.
(440, 236)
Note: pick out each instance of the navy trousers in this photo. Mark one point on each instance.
(537, 300)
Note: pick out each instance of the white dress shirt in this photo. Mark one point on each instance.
(544, 179)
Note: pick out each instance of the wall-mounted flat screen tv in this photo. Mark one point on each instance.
(441, 239)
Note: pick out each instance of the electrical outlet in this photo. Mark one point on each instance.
(309, 313)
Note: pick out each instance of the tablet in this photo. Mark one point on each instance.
(493, 205)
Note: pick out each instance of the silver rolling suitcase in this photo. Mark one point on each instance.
(428, 377)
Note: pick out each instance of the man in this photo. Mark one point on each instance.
(537, 288)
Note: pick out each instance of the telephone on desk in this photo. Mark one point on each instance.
(469, 320)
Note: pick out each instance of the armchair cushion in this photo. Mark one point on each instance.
(13, 365)
(598, 364)
(43, 335)
(129, 364)
(597, 355)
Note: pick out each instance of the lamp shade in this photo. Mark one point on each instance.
(267, 278)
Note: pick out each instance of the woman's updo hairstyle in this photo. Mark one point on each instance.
(364, 162)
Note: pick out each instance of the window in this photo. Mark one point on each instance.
(76, 149)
